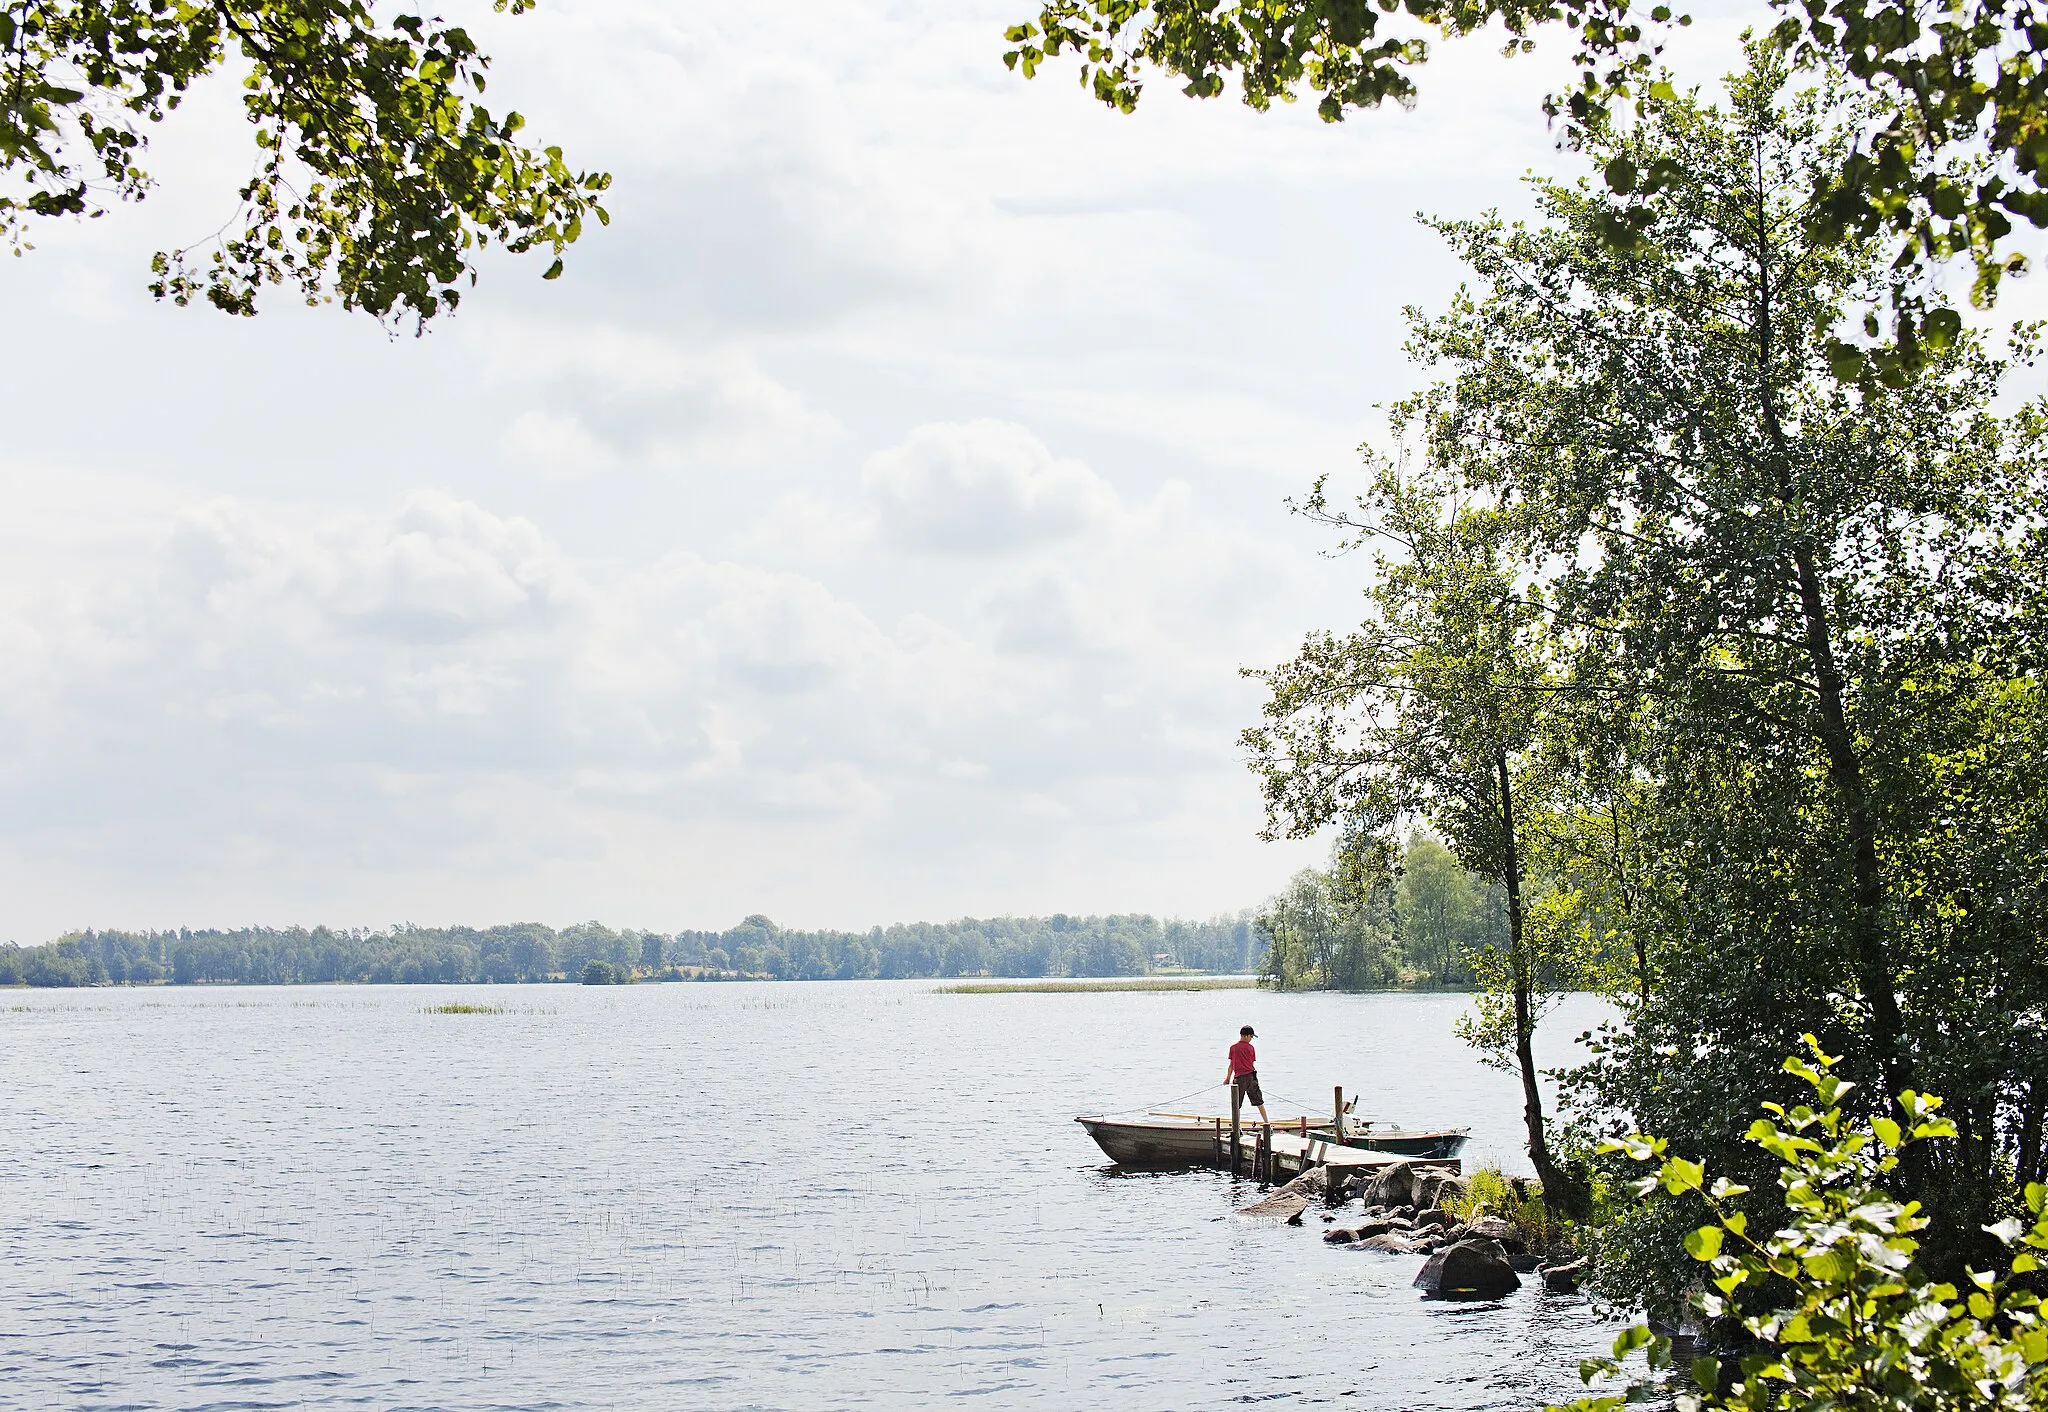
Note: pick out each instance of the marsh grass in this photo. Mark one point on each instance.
(456, 1007)
(1060, 987)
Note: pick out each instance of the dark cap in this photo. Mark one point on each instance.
(1250, 1031)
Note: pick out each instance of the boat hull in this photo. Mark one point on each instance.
(1437, 1145)
(1160, 1146)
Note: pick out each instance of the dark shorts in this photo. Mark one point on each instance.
(1248, 1090)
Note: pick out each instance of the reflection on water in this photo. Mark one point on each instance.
(742, 1196)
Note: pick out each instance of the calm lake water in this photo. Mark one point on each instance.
(861, 1194)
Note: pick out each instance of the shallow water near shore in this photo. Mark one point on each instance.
(835, 1194)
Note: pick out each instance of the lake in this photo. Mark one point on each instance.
(834, 1194)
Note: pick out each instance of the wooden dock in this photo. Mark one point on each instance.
(1291, 1154)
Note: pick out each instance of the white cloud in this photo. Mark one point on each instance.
(981, 486)
(692, 624)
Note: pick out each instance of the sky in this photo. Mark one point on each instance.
(871, 525)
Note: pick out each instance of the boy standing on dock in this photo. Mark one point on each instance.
(1243, 1077)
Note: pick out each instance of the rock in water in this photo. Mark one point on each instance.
(1471, 1269)
(1564, 1279)
(1289, 1201)
(1364, 1231)
(1392, 1243)
(1494, 1228)
(1393, 1186)
(1287, 1205)
(1426, 1188)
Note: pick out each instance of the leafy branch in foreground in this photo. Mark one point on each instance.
(1958, 79)
(379, 176)
(1862, 1327)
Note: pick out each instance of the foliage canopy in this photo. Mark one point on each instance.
(1957, 156)
(1770, 707)
(379, 174)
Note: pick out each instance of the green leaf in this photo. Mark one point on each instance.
(1679, 1175)
(1706, 1371)
(1703, 1244)
(1621, 176)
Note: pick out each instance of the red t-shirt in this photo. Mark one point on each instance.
(1243, 1060)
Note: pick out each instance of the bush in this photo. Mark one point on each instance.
(1861, 1327)
(1491, 1192)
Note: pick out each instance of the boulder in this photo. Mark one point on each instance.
(1392, 1243)
(1564, 1279)
(1364, 1230)
(1427, 1188)
(1523, 1264)
(1495, 1229)
(1435, 1216)
(1393, 1186)
(1289, 1201)
(1284, 1205)
(1468, 1269)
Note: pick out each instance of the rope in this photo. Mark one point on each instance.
(1163, 1103)
(1280, 1099)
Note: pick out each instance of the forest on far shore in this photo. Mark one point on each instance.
(1431, 930)
(756, 949)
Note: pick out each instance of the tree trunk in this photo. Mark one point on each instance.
(1845, 768)
(2030, 1163)
(1555, 1193)
(1845, 773)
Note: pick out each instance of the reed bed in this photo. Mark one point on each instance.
(457, 1007)
(1063, 987)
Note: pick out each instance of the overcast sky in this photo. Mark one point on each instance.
(870, 526)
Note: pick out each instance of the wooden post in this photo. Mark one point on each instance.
(1338, 1123)
(1236, 1102)
(1216, 1144)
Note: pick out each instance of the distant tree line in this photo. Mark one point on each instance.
(1058, 945)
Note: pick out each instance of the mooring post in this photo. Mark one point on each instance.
(1236, 1103)
(1338, 1108)
(1216, 1144)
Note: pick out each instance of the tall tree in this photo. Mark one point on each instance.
(1441, 910)
(1816, 603)
(1431, 709)
(378, 174)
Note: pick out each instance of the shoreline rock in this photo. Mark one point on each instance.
(1473, 1268)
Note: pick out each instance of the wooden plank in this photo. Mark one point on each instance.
(1303, 1153)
